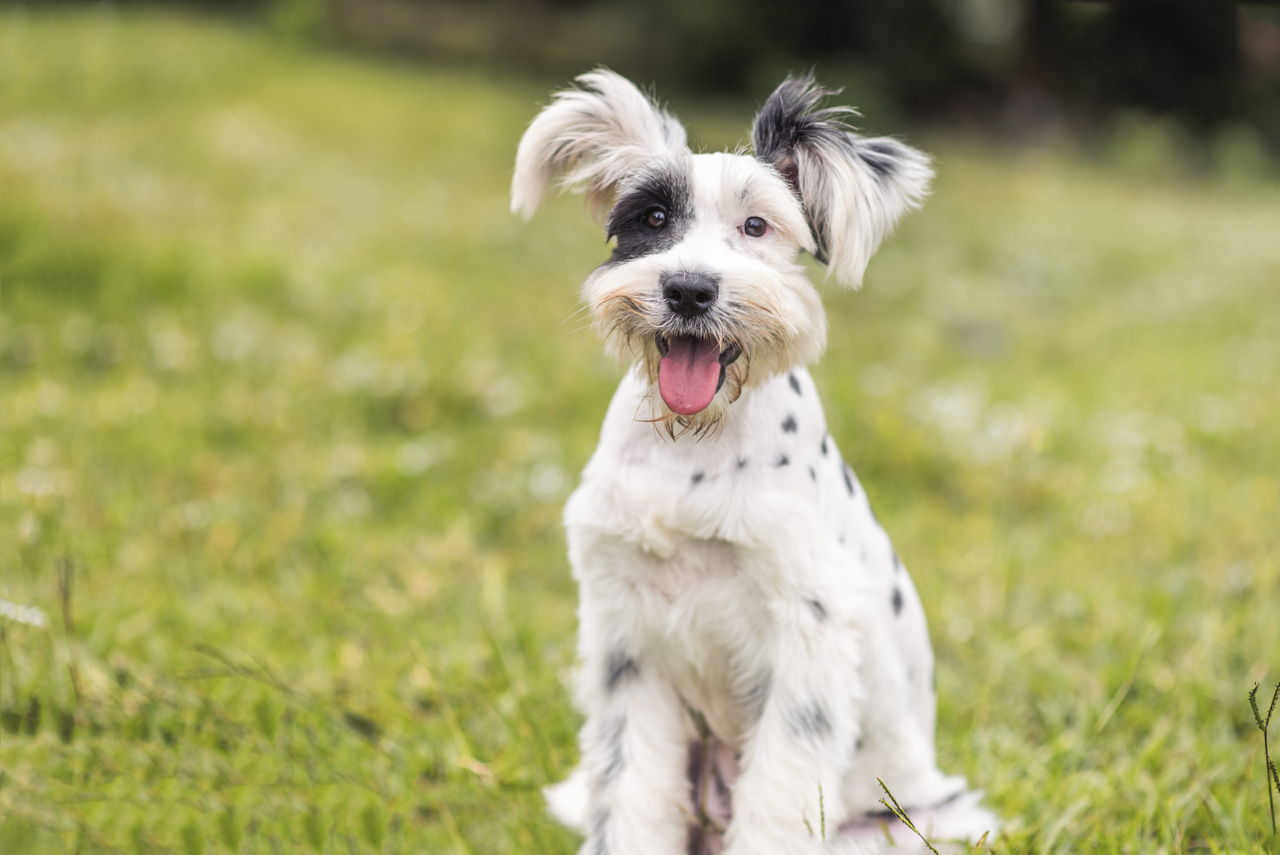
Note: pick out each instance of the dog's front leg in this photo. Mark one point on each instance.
(788, 798)
(635, 739)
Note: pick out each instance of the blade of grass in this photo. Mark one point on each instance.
(896, 810)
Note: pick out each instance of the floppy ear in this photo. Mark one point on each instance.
(854, 189)
(591, 138)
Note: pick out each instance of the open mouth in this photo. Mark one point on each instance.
(692, 370)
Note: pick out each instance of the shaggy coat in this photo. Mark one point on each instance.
(753, 652)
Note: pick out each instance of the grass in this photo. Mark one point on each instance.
(291, 405)
(1272, 776)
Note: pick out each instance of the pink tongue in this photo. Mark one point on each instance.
(689, 373)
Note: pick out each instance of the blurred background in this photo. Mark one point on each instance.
(291, 404)
(1025, 70)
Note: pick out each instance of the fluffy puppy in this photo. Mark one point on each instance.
(753, 653)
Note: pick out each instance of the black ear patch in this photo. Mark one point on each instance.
(885, 156)
(817, 151)
(791, 118)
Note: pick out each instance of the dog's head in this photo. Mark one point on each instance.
(704, 284)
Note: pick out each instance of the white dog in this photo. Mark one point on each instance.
(753, 653)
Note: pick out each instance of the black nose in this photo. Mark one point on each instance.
(690, 294)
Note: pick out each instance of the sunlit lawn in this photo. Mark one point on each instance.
(290, 404)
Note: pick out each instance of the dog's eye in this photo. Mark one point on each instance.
(655, 218)
(755, 226)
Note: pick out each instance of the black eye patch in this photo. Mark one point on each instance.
(663, 188)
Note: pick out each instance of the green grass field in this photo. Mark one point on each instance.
(290, 406)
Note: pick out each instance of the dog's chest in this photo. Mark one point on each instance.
(705, 624)
(704, 533)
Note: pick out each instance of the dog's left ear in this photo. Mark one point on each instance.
(853, 189)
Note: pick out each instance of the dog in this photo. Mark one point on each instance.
(753, 655)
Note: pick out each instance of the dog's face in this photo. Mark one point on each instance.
(704, 281)
(705, 284)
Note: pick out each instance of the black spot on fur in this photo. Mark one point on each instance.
(848, 480)
(810, 721)
(794, 381)
(857, 745)
(824, 445)
(819, 610)
(782, 460)
(897, 600)
(697, 477)
(813, 474)
(742, 463)
(662, 187)
(618, 669)
(789, 424)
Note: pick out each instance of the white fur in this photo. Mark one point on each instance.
(861, 210)
(593, 137)
(737, 593)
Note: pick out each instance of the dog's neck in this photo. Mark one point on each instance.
(776, 408)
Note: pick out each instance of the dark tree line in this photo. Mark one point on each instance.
(1016, 65)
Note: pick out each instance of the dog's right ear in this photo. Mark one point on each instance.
(590, 138)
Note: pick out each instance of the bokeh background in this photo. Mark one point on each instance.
(291, 403)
